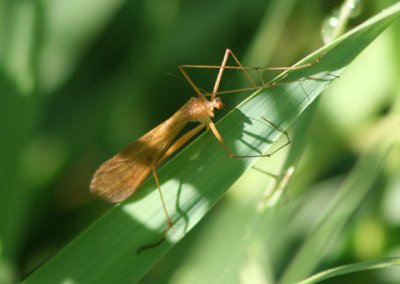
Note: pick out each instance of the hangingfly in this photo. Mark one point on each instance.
(121, 176)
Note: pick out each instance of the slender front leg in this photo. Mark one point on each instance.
(217, 135)
(221, 68)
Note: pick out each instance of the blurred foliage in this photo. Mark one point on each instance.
(79, 80)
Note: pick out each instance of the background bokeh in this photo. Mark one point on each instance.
(79, 80)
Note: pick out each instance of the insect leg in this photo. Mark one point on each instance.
(181, 141)
(231, 155)
(245, 70)
(215, 131)
(169, 222)
(294, 67)
(221, 68)
(178, 143)
(190, 81)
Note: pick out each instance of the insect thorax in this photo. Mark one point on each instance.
(199, 110)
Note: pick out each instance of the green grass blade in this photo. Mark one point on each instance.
(195, 179)
(338, 212)
(351, 268)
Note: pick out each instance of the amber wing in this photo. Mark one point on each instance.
(120, 176)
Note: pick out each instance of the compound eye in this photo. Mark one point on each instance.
(218, 103)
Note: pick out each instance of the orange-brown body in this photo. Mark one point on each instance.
(119, 177)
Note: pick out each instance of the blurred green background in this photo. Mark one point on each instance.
(79, 80)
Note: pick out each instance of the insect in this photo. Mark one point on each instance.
(121, 176)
